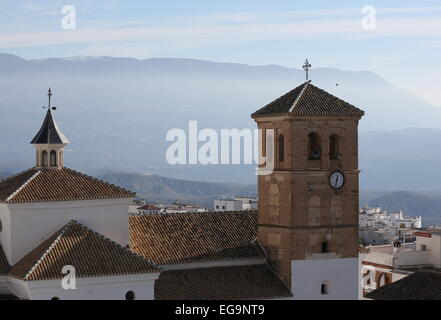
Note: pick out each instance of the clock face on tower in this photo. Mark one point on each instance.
(336, 180)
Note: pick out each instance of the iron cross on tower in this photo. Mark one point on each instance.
(306, 66)
(49, 94)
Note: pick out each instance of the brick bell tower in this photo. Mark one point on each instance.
(308, 204)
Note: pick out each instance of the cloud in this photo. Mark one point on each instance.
(351, 28)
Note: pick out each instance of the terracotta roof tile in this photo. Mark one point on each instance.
(307, 100)
(4, 265)
(42, 185)
(421, 285)
(221, 283)
(190, 237)
(92, 255)
(362, 249)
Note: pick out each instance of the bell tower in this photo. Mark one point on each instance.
(308, 203)
(49, 142)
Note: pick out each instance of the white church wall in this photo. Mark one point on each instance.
(340, 276)
(97, 288)
(32, 223)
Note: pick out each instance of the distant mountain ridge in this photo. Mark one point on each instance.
(162, 189)
(117, 111)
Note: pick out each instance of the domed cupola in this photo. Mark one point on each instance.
(49, 142)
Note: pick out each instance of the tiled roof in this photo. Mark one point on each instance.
(421, 285)
(195, 237)
(92, 255)
(42, 185)
(149, 207)
(4, 265)
(362, 249)
(221, 283)
(307, 100)
(49, 132)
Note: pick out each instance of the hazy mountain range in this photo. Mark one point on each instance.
(116, 113)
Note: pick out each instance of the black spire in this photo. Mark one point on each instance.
(49, 132)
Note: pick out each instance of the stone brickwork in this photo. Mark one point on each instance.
(300, 215)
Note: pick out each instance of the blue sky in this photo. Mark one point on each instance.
(404, 48)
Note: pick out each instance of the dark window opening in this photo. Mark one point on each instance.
(53, 158)
(44, 158)
(324, 288)
(130, 295)
(314, 150)
(334, 147)
(325, 247)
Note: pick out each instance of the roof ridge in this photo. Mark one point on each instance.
(335, 97)
(191, 213)
(99, 180)
(63, 231)
(299, 96)
(114, 242)
(13, 194)
(17, 174)
(51, 246)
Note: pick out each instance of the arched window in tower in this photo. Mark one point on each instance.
(314, 150)
(53, 158)
(334, 147)
(44, 158)
(281, 148)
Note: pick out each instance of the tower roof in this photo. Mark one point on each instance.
(309, 100)
(49, 132)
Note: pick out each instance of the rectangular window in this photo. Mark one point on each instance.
(324, 288)
(423, 247)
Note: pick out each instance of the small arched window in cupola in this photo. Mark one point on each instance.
(44, 158)
(53, 158)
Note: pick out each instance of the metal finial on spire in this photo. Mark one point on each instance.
(306, 67)
(49, 94)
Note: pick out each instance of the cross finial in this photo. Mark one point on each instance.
(49, 94)
(306, 66)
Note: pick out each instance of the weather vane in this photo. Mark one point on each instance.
(49, 94)
(306, 66)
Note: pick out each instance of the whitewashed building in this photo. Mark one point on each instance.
(64, 235)
(389, 263)
(236, 204)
